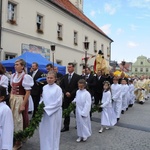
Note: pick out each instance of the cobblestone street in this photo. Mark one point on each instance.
(131, 133)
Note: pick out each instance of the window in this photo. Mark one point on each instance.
(95, 46)
(59, 62)
(59, 31)
(39, 23)
(135, 69)
(108, 52)
(75, 38)
(141, 69)
(146, 69)
(12, 8)
(102, 48)
(141, 62)
(86, 38)
(9, 56)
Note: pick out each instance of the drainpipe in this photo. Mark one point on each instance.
(0, 28)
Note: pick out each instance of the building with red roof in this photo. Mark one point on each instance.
(36, 25)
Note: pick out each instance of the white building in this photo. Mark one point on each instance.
(34, 25)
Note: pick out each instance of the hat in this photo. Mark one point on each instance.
(100, 52)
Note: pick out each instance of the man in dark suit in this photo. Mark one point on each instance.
(98, 88)
(69, 85)
(37, 88)
(89, 78)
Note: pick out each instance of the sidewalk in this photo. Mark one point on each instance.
(131, 133)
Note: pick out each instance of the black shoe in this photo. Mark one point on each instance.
(64, 129)
(118, 119)
(130, 105)
(122, 112)
(126, 109)
(141, 102)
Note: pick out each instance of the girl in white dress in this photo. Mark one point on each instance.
(6, 123)
(83, 107)
(50, 125)
(108, 116)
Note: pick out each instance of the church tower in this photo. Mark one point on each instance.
(78, 4)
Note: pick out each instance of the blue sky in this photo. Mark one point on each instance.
(127, 22)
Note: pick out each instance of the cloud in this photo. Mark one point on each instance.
(92, 13)
(119, 31)
(132, 44)
(109, 9)
(139, 3)
(133, 27)
(106, 28)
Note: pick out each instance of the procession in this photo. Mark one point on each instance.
(74, 75)
(114, 93)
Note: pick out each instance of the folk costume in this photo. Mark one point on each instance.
(50, 125)
(19, 85)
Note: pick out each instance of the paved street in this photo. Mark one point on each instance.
(131, 133)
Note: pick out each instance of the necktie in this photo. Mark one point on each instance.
(69, 78)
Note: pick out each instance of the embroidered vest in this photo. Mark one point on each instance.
(17, 88)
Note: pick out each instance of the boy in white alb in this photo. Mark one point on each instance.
(116, 97)
(83, 107)
(6, 123)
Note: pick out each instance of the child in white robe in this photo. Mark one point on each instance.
(83, 107)
(50, 126)
(132, 95)
(6, 123)
(116, 97)
(108, 116)
(125, 95)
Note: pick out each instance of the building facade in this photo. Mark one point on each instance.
(34, 25)
(141, 66)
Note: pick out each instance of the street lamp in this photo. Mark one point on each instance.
(86, 47)
(53, 50)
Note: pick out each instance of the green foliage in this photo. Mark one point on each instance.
(29, 131)
(34, 124)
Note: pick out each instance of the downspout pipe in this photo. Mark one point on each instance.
(0, 28)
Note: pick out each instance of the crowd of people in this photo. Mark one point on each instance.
(114, 94)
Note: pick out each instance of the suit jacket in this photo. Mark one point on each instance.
(37, 88)
(71, 87)
(90, 83)
(98, 88)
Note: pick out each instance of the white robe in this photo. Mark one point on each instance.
(83, 107)
(117, 99)
(108, 116)
(132, 95)
(50, 125)
(124, 93)
(4, 82)
(6, 127)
